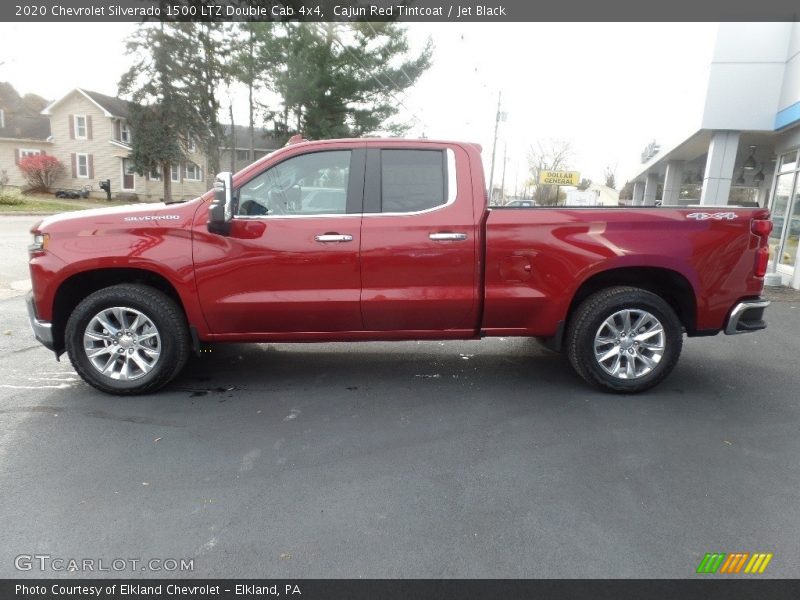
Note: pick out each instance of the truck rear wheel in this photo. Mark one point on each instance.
(624, 339)
(127, 339)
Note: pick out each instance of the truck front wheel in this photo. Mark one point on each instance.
(127, 339)
(624, 339)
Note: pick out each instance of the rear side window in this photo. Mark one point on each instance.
(412, 180)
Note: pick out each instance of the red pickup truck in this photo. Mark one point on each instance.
(349, 240)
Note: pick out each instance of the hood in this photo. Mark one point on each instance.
(133, 215)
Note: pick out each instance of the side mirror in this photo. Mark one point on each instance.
(221, 210)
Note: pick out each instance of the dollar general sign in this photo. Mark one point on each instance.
(559, 177)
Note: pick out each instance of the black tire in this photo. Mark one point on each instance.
(160, 309)
(585, 326)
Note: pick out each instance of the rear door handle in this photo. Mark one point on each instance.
(447, 236)
(326, 238)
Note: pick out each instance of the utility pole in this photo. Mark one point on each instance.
(494, 146)
(503, 179)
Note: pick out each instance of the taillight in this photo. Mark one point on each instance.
(761, 227)
(762, 259)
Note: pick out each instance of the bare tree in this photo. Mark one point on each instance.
(610, 175)
(547, 155)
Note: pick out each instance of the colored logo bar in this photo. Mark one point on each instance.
(736, 562)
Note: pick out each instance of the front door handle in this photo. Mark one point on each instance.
(327, 238)
(445, 236)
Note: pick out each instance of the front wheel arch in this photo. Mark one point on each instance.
(103, 325)
(77, 287)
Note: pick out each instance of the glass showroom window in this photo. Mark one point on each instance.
(786, 212)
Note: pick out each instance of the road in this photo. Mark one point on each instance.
(457, 459)
(14, 240)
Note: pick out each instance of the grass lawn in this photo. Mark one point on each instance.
(47, 204)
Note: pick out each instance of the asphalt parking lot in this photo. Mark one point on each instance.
(457, 459)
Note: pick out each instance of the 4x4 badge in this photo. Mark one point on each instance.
(717, 216)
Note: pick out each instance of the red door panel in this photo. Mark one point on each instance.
(290, 263)
(271, 276)
(418, 269)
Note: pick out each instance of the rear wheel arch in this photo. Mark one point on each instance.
(624, 339)
(672, 286)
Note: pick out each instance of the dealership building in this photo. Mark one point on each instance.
(746, 150)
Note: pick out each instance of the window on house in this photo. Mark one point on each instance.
(80, 127)
(192, 172)
(175, 173)
(82, 165)
(243, 155)
(125, 133)
(155, 173)
(28, 152)
(2, 118)
(190, 145)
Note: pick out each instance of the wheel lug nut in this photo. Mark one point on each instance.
(130, 351)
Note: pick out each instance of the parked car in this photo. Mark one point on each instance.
(521, 204)
(416, 254)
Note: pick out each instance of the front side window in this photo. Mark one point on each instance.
(412, 180)
(80, 127)
(309, 184)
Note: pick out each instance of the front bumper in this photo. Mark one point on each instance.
(42, 330)
(747, 316)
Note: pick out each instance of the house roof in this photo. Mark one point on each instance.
(116, 106)
(25, 128)
(241, 136)
(111, 106)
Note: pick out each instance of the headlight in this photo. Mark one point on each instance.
(39, 242)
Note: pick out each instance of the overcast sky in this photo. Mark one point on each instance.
(607, 88)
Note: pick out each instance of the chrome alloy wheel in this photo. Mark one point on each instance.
(629, 344)
(122, 343)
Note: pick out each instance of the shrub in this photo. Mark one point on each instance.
(40, 171)
(9, 197)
